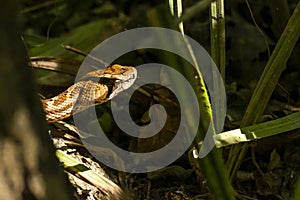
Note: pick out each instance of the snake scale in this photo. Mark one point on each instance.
(94, 88)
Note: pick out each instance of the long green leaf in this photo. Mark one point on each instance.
(85, 38)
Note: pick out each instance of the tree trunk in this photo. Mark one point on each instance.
(28, 166)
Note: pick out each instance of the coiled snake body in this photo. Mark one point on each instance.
(94, 88)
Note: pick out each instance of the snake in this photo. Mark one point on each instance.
(94, 88)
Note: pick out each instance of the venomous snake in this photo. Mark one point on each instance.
(94, 88)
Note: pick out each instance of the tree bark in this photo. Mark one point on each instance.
(28, 166)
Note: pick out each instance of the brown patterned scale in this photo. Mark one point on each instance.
(87, 92)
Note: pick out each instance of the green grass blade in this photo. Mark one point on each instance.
(212, 165)
(217, 38)
(258, 131)
(266, 84)
(297, 190)
(78, 169)
(273, 69)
